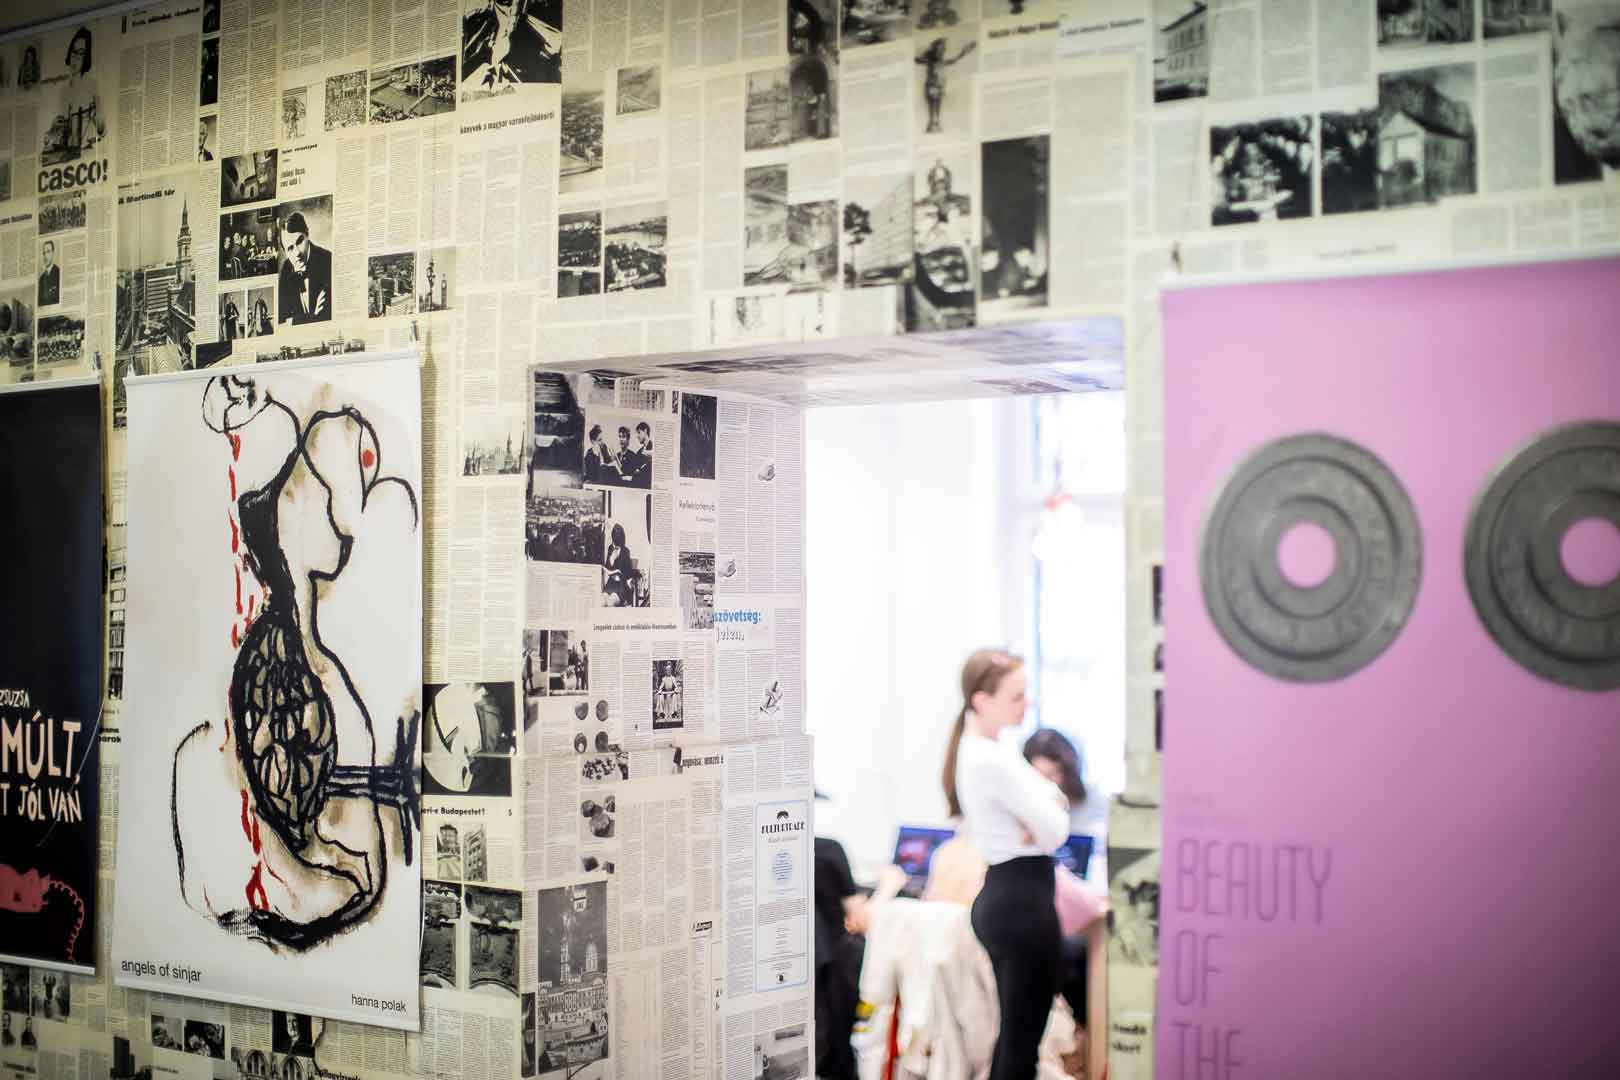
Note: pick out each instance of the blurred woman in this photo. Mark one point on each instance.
(1016, 818)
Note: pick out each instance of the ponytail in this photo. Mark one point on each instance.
(983, 671)
(949, 777)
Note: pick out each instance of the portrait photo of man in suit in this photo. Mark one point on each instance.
(305, 283)
(50, 277)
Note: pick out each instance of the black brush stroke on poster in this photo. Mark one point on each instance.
(50, 664)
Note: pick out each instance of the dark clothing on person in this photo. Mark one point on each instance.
(1015, 918)
(838, 964)
(50, 286)
(291, 298)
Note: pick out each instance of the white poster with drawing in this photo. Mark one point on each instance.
(269, 838)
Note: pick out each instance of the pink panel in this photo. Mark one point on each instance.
(1462, 813)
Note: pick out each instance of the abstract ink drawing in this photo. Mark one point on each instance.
(326, 777)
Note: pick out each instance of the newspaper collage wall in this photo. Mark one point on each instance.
(218, 181)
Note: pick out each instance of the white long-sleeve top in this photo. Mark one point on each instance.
(1003, 797)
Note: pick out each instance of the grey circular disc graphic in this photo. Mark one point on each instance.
(1334, 628)
(1563, 630)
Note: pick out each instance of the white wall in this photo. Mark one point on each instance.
(920, 520)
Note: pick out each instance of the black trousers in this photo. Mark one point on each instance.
(1015, 918)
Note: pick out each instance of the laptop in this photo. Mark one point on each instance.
(1076, 853)
(914, 851)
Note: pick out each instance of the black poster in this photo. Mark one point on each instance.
(50, 673)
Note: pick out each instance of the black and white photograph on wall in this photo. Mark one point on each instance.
(941, 295)
(493, 959)
(207, 137)
(572, 284)
(627, 555)
(469, 731)
(491, 443)
(61, 342)
(475, 852)
(698, 416)
(579, 239)
(208, 80)
(527, 1042)
(572, 936)
(292, 1033)
(233, 320)
(210, 21)
(1016, 242)
(294, 114)
(813, 87)
(566, 526)
(304, 260)
(633, 246)
(247, 178)
(61, 211)
(441, 911)
(557, 436)
(509, 43)
(447, 844)
(812, 27)
(1418, 146)
(1425, 22)
(697, 589)
(77, 125)
(1586, 90)
(764, 224)
(1133, 898)
(1158, 718)
(168, 1033)
(639, 90)
(1158, 594)
(205, 1039)
(391, 285)
(156, 315)
(1261, 171)
(345, 101)
(436, 279)
(945, 65)
(813, 68)
(810, 257)
(767, 117)
(49, 282)
(49, 997)
(877, 230)
(1505, 18)
(441, 901)
(17, 331)
(14, 987)
(495, 907)
(580, 158)
(782, 1053)
(596, 818)
(247, 243)
(5, 180)
(871, 22)
(619, 451)
(560, 662)
(124, 1066)
(573, 998)
(412, 91)
(668, 695)
(1180, 49)
(292, 1068)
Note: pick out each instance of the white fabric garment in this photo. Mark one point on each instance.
(1004, 799)
(928, 955)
